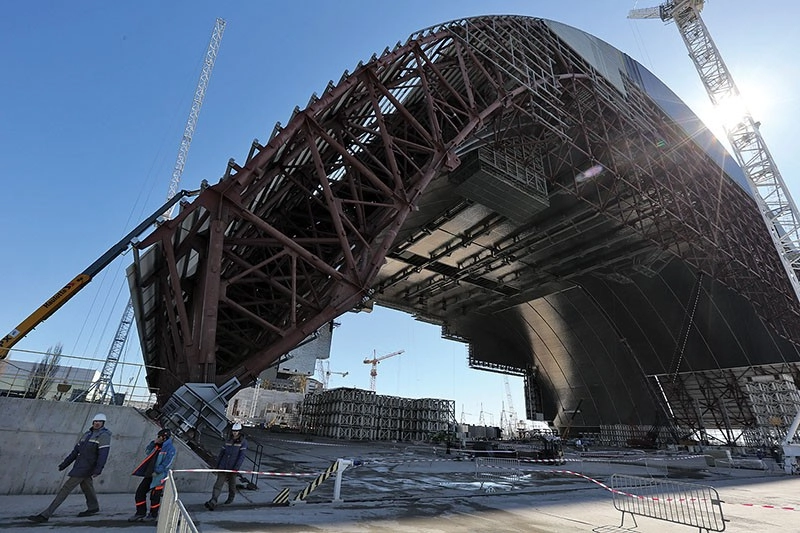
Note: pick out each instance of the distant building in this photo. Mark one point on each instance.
(258, 406)
(23, 379)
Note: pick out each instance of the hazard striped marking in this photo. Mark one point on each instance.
(317, 482)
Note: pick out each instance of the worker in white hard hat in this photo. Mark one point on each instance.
(89, 457)
(229, 460)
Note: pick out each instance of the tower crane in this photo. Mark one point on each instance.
(774, 201)
(373, 373)
(512, 413)
(103, 386)
(328, 376)
(325, 372)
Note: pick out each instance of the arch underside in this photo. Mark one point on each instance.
(488, 177)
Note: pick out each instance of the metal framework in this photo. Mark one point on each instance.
(774, 200)
(740, 403)
(751, 152)
(356, 200)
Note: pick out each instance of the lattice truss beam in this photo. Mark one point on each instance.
(296, 235)
(742, 403)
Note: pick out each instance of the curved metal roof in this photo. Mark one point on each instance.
(480, 170)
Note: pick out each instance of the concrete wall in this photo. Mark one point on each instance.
(36, 435)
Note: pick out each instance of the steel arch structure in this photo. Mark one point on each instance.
(484, 165)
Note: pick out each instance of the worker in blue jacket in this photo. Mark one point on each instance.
(160, 454)
(230, 457)
(89, 455)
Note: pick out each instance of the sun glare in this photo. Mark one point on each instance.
(730, 111)
(754, 99)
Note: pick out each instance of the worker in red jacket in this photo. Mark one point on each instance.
(159, 455)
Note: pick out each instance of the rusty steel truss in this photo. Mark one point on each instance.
(339, 208)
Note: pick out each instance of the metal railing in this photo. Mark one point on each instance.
(70, 378)
(497, 471)
(173, 517)
(680, 503)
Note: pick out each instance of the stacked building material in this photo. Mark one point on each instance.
(356, 414)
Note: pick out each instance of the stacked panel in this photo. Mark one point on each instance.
(355, 414)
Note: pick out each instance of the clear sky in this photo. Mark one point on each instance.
(95, 95)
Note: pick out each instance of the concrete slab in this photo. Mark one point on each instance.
(38, 434)
(401, 487)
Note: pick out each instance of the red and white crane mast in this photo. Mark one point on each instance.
(373, 373)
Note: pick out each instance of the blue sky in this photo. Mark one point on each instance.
(95, 95)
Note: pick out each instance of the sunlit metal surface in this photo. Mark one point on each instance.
(406, 183)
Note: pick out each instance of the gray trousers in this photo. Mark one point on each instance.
(223, 477)
(87, 486)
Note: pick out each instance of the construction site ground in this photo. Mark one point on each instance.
(414, 487)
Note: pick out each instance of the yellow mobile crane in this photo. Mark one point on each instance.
(81, 280)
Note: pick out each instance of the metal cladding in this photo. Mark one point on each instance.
(531, 189)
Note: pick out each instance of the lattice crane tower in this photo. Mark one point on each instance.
(373, 373)
(103, 386)
(774, 200)
(512, 413)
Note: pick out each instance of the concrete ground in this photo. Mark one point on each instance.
(417, 488)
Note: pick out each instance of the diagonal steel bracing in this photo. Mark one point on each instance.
(334, 210)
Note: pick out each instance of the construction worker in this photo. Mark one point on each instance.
(160, 454)
(89, 455)
(231, 457)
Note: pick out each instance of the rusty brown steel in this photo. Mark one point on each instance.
(299, 234)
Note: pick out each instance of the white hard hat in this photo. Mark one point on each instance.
(236, 427)
(99, 416)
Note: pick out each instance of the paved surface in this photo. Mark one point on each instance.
(405, 488)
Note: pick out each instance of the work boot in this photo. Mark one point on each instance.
(136, 518)
(89, 512)
(151, 518)
(211, 504)
(38, 518)
(229, 500)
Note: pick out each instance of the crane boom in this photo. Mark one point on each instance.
(81, 280)
(771, 194)
(373, 373)
(197, 102)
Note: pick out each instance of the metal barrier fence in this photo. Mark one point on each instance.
(680, 503)
(173, 517)
(497, 469)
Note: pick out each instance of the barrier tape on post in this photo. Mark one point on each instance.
(317, 482)
(593, 459)
(283, 496)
